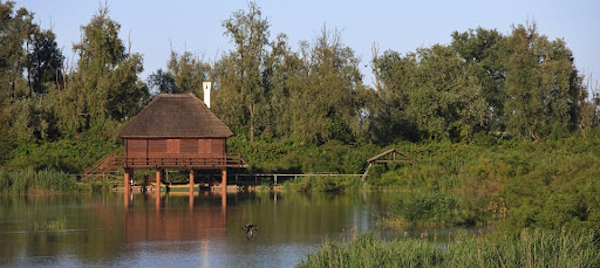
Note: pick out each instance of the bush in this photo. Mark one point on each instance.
(430, 209)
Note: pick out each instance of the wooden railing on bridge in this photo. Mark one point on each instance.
(103, 166)
(276, 176)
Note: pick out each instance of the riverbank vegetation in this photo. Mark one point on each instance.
(46, 181)
(528, 248)
(549, 183)
(501, 126)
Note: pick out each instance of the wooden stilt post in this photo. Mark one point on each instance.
(224, 180)
(191, 182)
(192, 189)
(224, 206)
(127, 183)
(159, 177)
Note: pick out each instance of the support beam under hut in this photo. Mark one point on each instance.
(224, 179)
(128, 177)
(192, 175)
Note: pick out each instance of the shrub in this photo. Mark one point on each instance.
(430, 209)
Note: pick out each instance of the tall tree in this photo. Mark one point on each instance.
(482, 51)
(162, 82)
(15, 30)
(329, 97)
(282, 77)
(249, 31)
(445, 100)
(105, 88)
(188, 71)
(29, 64)
(44, 62)
(390, 120)
(543, 86)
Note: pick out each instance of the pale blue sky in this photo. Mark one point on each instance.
(155, 27)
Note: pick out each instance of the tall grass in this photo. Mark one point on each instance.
(323, 184)
(432, 209)
(529, 248)
(43, 181)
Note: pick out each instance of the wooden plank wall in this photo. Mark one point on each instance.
(137, 148)
(176, 148)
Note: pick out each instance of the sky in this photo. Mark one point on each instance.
(157, 27)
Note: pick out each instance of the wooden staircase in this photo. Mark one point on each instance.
(104, 166)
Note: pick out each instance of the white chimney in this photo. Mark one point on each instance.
(206, 88)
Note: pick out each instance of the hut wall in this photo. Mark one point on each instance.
(136, 148)
(175, 148)
(157, 148)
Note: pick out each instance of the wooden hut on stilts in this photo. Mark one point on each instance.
(177, 131)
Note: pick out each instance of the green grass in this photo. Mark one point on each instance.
(38, 181)
(529, 248)
(429, 209)
(323, 183)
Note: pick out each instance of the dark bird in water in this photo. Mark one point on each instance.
(250, 228)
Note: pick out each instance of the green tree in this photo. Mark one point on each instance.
(162, 82)
(29, 65)
(249, 31)
(188, 72)
(482, 51)
(390, 120)
(543, 86)
(445, 102)
(105, 88)
(328, 101)
(282, 77)
(15, 30)
(44, 62)
(228, 99)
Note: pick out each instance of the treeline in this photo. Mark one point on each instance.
(518, 85)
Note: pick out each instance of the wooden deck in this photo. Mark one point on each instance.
(114, 162)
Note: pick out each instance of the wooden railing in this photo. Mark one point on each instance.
(103, 166)
(113, 162)
(235, 161)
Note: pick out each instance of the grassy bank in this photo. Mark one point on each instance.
(323, 184)
(548, 184)
(529, 248)
(47, 181)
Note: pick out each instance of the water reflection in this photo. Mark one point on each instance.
(170, 221)
(176, 229)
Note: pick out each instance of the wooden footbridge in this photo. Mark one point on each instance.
(112, 163)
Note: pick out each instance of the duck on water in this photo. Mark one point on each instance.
(250, 228)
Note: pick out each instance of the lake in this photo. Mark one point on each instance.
(77, 230)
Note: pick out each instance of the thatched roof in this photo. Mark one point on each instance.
(175, 116)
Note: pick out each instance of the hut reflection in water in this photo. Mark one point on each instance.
(203, 219)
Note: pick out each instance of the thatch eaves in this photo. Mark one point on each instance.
(175, 116)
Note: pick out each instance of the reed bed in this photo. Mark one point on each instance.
(29, 180)
(528, 248)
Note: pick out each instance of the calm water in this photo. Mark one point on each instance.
(176, 230)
